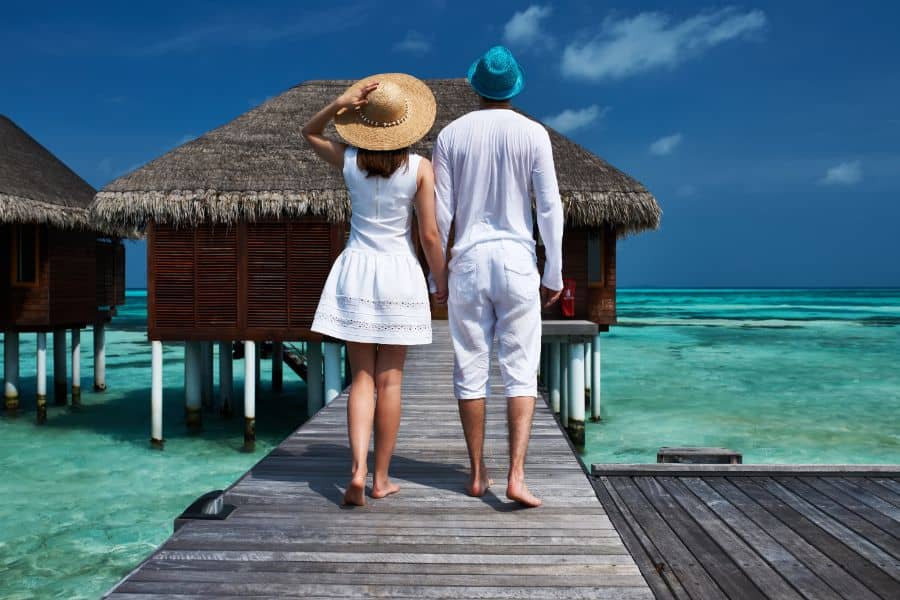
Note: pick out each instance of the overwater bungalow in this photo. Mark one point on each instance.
(59, 271)
(244, 222)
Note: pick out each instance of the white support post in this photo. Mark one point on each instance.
(11, 370)
(277, 366)
(76, 367)
(587, 370)
(41, 387)
(564, 383)
(554, 384)
(313, 377)
(226, 379)
(193, 386)
(156, 395)
(60, 377)
(332, 371)
(595, 380)
(206, 368)
(250, 379)
(575, 424)
(100, 355)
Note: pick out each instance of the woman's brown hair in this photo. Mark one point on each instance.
(381, 163)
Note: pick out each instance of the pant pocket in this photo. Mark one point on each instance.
(522, 277)
(463, 282)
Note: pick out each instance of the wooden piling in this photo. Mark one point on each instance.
(564, 384)
(332, 371)
(156, 395)
(11, 371)
(226, 379)
(277, 366)
(313, 378)
(192, 386)
(595, 380)
(555, 387)
(41, 387)
(575, 416)
(100, 355)
(60, 378)
(76, 367)
(250, 381)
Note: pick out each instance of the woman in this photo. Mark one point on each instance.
(375, 297)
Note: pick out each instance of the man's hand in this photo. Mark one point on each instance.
(549, 297)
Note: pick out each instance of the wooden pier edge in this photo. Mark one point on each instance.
(744, 470)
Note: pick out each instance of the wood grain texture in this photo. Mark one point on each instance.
(289, 537)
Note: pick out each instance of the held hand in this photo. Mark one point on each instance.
(440, 296)
(549, 297)
(356, 97)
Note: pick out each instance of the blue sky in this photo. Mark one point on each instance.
(769, 132)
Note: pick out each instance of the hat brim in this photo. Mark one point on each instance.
(515, 90)
(422, 111)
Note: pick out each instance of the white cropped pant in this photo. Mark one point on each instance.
(495, 294)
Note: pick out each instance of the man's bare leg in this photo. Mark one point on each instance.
(471, 413)
(519, 412)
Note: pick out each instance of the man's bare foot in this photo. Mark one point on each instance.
(380, 489)
(478, 484)
(517, 491)
(356, 492)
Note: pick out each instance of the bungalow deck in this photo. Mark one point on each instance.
(288, 536)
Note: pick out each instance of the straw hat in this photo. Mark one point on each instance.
(399, 113)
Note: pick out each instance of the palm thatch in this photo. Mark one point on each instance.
(258, 166)
(36, 187)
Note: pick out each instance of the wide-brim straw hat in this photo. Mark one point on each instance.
(399, 113)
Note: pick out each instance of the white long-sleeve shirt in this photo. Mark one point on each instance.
(486, 164)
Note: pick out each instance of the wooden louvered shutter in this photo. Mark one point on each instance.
(215, 249)
(171, 262)
(311, 254)
(267, 275)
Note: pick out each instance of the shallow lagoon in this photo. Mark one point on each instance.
(781, 375)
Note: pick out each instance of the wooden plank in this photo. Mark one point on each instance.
(652, 562)
(881, 514)
(891, 484)
(288, 536)
(683, 564)
(755, 568)
(746, 470)
(782, 560)
(778, 524)
(718, 564)
(819, 531)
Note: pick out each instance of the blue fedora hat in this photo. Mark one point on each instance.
(497, 75)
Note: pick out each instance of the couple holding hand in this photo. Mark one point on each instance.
(485, 168)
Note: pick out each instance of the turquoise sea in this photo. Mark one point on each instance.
(796, 376)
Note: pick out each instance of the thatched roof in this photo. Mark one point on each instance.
(259, 166)
(36, 187)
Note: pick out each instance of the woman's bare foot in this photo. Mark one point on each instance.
(478, 483)
(517, 491)
(382, 488)
(356, 492)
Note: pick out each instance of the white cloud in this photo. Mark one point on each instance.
(846, 173)
(651, 40)
(524, 28)
(414, 43)
(666, 145)
(571, 119)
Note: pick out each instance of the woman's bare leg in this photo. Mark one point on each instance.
(360, 413)
(388, 380)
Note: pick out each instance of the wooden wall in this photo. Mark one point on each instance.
(110, 269)
(250, 281)
(65, 293)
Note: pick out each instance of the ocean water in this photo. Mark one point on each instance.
(796, 376)
(783, 376)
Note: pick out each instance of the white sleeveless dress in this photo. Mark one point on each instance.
(376, 291)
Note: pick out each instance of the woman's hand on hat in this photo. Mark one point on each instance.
(356, 97)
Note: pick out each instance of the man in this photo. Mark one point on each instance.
(487, 165)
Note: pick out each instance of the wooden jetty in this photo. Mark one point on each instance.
(759, 531)
(288, 536)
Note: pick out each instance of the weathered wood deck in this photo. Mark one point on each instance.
(288, 536)
(758, 532)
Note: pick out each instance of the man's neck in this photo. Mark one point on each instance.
(492, 105)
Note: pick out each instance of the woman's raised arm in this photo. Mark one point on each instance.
(329, 150)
